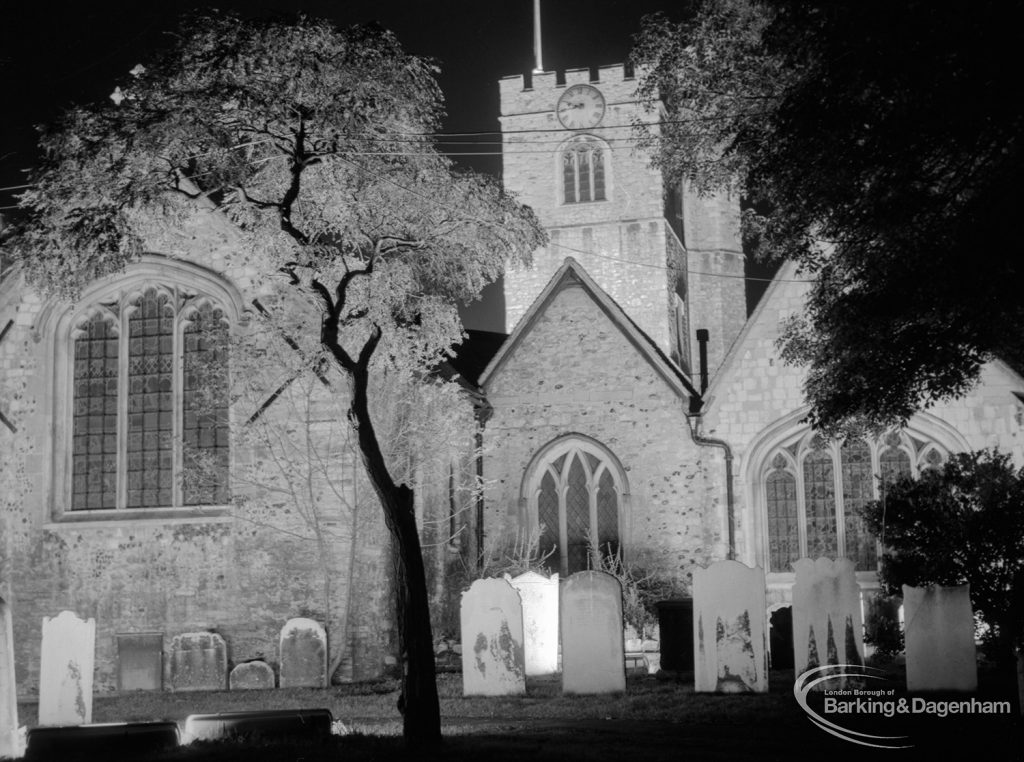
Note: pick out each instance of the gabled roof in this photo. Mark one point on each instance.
(787, 273)
(571, 274)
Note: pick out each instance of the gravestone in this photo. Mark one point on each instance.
(65, 670)
(140, 661)
(198, 662)
(251, 675)
(8, 691)
(939, 637)
(539, 595)
(827, 623)
(491, 621)
(729, 638)
(303, 654)
(593, 654)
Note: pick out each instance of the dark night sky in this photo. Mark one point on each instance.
(56, 54)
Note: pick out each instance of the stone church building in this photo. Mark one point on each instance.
(634, 407)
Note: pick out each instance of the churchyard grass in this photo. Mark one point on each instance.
(651, 720)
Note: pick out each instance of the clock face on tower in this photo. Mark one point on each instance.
(580, 107)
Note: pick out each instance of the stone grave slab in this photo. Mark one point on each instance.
(729, 629)
(593, 653)
(939, 637)
(827, 621)
(198, 662)
(107, 741)
(303, 654)
(491, 622)
(140, 661)
(66, 669)
(251, 675)
(539, 595)
(8, 688)
(264, 724)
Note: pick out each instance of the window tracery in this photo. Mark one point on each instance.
(148, 398)
(574, 491)
(812, 491)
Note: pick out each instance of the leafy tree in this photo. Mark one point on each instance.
(878, 144)
(961, 523)
(314, 143)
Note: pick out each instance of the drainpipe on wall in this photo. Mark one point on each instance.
(694, 419)
(729, 501)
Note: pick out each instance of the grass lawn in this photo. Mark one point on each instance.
(652, 720)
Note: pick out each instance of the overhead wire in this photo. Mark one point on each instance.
(344, 156)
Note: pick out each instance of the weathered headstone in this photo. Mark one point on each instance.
(303, 654)
(140, 662)
(65, 670)
(251, 675)
(827, 623)
(939, 636)
(491, 617)
(9, 746)
(729, 638)
(198, 662)
(593, 654)
(539, 595)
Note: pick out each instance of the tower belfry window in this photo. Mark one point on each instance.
(583, 171)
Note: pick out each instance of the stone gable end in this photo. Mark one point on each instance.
(575, 372)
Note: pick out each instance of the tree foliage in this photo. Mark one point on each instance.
(961, 523)
(878, 144)
(315, 143)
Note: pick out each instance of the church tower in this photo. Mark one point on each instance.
(670, 258)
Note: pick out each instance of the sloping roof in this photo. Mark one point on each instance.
(787, 273)
(572, 273)
(471, 357)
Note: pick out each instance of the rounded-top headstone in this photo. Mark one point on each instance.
(539, 595)
(593, 655)
(303, 653)
(251, 675)
(491, 616)
(199, 662)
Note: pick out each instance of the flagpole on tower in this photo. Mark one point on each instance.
(538, 59)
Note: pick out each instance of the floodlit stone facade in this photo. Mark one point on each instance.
(595, 437)
(133, 545)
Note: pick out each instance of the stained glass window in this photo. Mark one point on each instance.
(547, 519)
(820, 503)
(783, 517)
(893, 462)
(607, 516)
(821, 510)
(577, 518)
(149, 402)
(858, 491)
(205, 406)
(579, 493)
(94, 427)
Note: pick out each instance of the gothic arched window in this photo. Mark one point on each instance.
(148, 424)
(583, 171)
(574, 490)
(813, 491)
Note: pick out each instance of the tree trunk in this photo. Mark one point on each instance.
(418, 702)
(420, 708)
